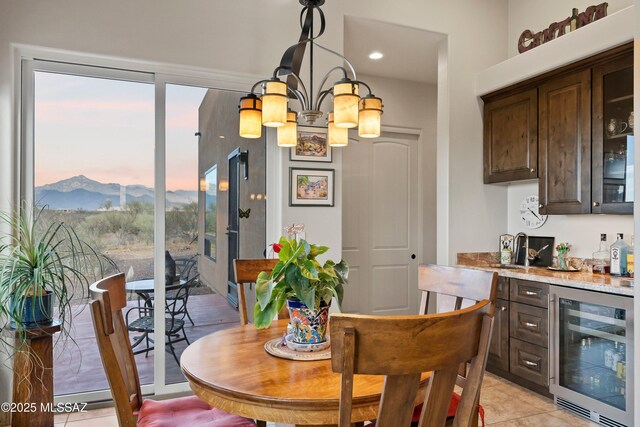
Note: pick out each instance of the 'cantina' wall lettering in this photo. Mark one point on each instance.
(528, 40)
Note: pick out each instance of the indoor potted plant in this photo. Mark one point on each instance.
(44, 267)
(305, 285)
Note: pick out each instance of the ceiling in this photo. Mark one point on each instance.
(409, 53)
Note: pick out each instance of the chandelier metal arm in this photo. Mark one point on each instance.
(353, 71)
(321, 96)
(293, 56)
(324, 80)
(365, 85)
(253, 88)
(300, 97)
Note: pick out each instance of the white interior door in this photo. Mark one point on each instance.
(382, 225)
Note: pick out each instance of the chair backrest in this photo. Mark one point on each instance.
(246, 271)
(108, 299)
(401, 348)
(186, 267)
(177, 304)
(457, 283)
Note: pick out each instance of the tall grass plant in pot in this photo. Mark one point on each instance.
(305, 285)
(45, 267)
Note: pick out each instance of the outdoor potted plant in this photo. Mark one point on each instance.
(305, 285)
(44, 267)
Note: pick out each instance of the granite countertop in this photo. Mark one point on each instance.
(580, 279)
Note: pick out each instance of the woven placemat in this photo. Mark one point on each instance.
(275, 348)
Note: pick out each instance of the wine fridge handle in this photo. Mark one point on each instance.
(551, 321)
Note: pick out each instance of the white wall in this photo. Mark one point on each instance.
(538, 15)
(581, 231)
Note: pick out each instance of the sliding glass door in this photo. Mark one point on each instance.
(130, 159)
(91, 165)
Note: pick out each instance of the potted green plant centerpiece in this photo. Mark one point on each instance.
(44, 267)
(305, 285)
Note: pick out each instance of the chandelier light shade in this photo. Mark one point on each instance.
(250, 116)
(288, 134)
(340, 86)
(337, 137)
(274, 103)
(345, 104)
(369, 117)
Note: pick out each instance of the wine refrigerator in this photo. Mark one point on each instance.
(591, 354)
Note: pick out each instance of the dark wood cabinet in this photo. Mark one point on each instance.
(564, 144)
(499, 348)
(520, 340)
(511, 137)
(612, 121)
(580, 120)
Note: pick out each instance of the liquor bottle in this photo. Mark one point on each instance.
(619, 257)
(630, 266)
(601, 257)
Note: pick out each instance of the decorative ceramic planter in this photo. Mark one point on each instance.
(307, 326)
(36, 311)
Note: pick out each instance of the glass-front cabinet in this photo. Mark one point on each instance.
(592, 355)
(613, 139)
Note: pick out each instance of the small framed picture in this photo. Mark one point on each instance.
(311, 187)
(312, 145)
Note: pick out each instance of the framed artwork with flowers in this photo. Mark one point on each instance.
(312, 145)
(311, 187)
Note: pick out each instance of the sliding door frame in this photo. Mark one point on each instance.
(30, 59)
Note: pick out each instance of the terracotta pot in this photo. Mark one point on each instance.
(307, 326)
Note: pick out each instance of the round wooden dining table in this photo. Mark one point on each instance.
(230, 370)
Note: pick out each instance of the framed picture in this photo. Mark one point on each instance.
(311, 187)
(312, 145)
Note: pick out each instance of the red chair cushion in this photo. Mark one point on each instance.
(453, 407)
(187, 411)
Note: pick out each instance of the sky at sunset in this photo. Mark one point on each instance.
(104, 129)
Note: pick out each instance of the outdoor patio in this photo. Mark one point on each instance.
(78, 367)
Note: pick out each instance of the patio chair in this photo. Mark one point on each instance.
(402, 348)
(186, 268)
(108, 299)
(174, 324)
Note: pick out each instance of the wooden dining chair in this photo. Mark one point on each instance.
(108, 300)
(449, 288)
(401, 348)
(246, 271)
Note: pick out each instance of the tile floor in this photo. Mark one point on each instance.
(506, 405)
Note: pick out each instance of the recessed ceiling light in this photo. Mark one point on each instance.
(375, 55)
(221, 137)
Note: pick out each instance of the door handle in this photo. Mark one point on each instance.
(413, 256)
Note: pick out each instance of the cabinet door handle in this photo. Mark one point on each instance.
(531, 293)
(596, 204)
(503, 308)
(540, 206)
(531, 325)
(532, 170)
(530, 363)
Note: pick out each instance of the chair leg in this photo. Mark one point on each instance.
(173, 352)
(189, 316)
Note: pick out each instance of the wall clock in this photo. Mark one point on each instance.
(529, 214)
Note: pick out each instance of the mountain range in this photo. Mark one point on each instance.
(82, 193)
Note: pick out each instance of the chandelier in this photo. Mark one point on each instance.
(271, 107)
